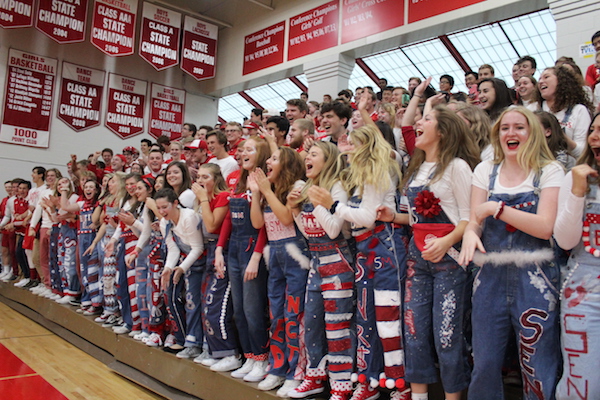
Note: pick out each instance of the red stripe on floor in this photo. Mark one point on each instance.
(12, 365)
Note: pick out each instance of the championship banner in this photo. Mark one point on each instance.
(421, 9)
(264, 48)
(364, 18)
(126, 104)
(80, 96)
(16, 14)
(28, 99)
(166, 111)
(63, 21)
(113, 26)
(314, 30)
(199, 48)
(159, 36)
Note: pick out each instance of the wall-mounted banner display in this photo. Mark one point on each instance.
(62, 20)
(80, 96)
(16, 14)
(28, 99)
(314, 30)
(113, 26)
(421, 9)
(125, 106)
(264, 48)
(199, 48)
(166, 111)
(159, 36)
(362, 18)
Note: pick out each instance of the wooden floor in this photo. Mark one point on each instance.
(48, 362)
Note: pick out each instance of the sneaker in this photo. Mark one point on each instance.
(258, 373)
(141, 336)
(135, 332)
(365, 392)
(9, 277)
(91, 310)
(102, 318)
(65, 299)
(226, 364)
(208, 362)
(75, 302)
(31, 284)
(82, 309)
(121, 330)
(111, 320)
(401, 395)
(244, 369)
(170, 340)
(190, 352)
(37, 288)
(288, 385)
(203, 356)
(340, 395)
(54, 296)
(22, 282)
(5, 271)
(44, 292)
(309, 386)
(154, 340)
(271, 382)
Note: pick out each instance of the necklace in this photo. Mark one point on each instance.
(585, 236)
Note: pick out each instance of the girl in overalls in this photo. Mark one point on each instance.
(85, 207)
(369, 181)
(212, 196)
(247, 271)
(287, 259)
(67, 245)
(515, 195)
(577, 227)
(330, 336)
(184, 269)
(438, 182)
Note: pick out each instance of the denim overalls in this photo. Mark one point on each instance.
(88, 264)
(435, 303)
(517, 295)
(185, 297)
(126, 290)
(249, 298)
(580, 311)
(329, 306)
(287, 260)
(55, 279)
(108, 269)
(67, 258)
(379, 327)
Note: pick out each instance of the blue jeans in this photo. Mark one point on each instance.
(89, 266)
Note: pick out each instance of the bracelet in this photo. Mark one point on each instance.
(202, 201)
(418, 95)
(499, 209)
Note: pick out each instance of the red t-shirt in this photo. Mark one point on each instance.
(220, 200)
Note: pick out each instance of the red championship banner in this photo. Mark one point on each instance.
(113, 26)
(80, 96)
(159, 36)
(166, 111)
(362, 18)
(62, 20)
(28, 99)
(199, 48)
(16, 14)
(126, 104)
(421, 9)
(314, 30)
(264, 48)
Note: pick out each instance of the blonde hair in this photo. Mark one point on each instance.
(371, 163)
(117, 197)
(535, 153)
(330, 173)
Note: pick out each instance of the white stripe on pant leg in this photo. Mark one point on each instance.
(329, 317)
(338, 334)
(337, 294)
(395, 357)
(387, 297)
(330, 259)
(388, 329)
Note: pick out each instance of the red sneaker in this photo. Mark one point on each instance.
(365, 392)
(401, 395)
(309, 386)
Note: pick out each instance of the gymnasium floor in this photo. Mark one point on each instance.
(36, 364)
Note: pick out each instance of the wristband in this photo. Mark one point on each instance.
(333, 207)
(499, 210)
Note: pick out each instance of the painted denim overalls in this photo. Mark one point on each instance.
(287, 260)
(55, 279)
(518, 293)
(67, 258)
(249, 298)
(143, 276)
(329, 306)
(156, 262)
(185, 297)
(435, 300)
(108, 269)
(88, 264)
(217, 305)
(379, 327)
(580, 311)
(126, 287)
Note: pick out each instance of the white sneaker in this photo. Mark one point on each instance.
(9, 277)
(6, 271)
(189, 352)
(141, 336)
(134, 333)
(258, 373)
(44, 292)
(55, 296)
(65, 299)
(170, 340)
(22, 282)
(37, 289)
(208, 362)
(121, 330)
(244, 370)
(154, 340)
(227, 364)
(289, 384)
(205, 355)
(271, 382)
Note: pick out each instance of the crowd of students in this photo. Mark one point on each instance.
(365, 246)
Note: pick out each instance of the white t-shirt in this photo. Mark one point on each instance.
(453, 188)
(227, 164)
(552, 176)
(576, 127)
(189, 232)
(487, 153)
(35, 194)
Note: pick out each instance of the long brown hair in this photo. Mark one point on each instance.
(263, 152)
(292, 170)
